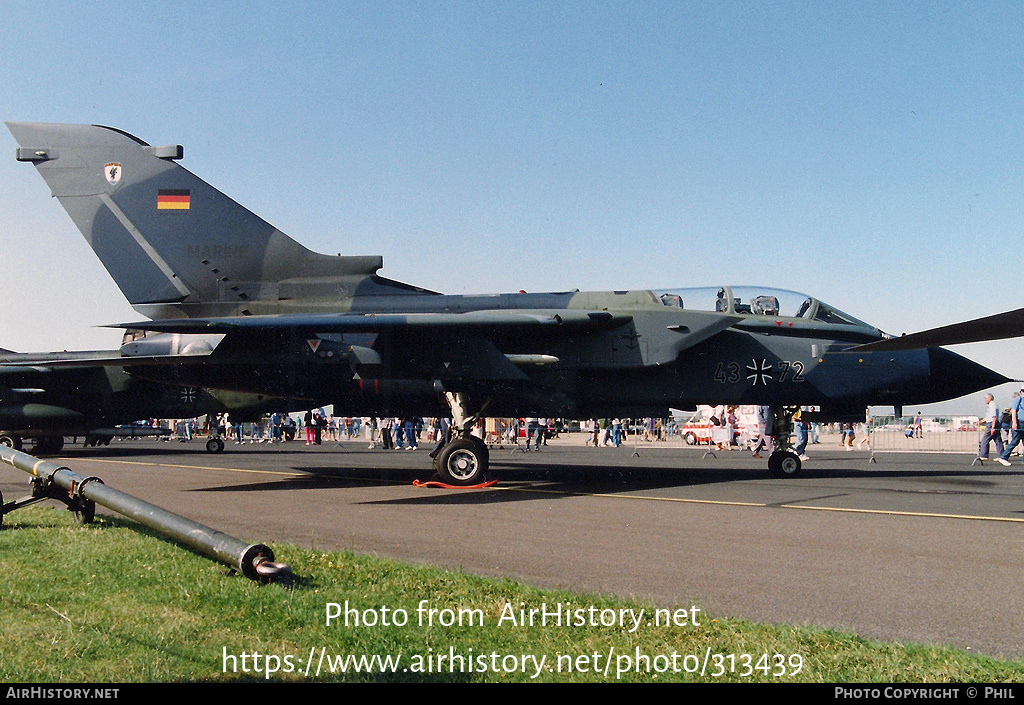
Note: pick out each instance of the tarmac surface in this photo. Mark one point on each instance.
(921, 547)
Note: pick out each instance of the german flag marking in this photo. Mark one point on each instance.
(173, 199)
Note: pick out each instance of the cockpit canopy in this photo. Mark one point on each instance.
(756, 301)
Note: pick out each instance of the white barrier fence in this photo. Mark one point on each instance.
(968, 442)
(895, 438)
(947, 441)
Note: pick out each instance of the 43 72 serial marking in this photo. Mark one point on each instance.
(760, 372)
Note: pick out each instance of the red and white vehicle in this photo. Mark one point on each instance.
(697, 428)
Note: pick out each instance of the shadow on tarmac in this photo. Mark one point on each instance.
(565, 480)
(558, 471)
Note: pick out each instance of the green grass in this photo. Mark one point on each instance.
(109, 602)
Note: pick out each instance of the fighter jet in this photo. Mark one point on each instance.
(282, 320)
(47, 396)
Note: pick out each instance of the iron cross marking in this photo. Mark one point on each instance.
(759, 370)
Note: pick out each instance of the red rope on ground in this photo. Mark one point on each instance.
(434, 483)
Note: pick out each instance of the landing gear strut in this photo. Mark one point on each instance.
(783, 462)
(462, 461)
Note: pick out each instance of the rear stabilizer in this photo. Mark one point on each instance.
(170, 240)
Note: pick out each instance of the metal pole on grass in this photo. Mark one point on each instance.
(255, 561)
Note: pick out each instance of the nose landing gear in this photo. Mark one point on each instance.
(783, 462)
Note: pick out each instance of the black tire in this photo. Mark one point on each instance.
(483, 448)
(784, 463)
(86, 514)
(463, 463)
(214, 445)
(48, 445)
(11, 440)
(690, 438)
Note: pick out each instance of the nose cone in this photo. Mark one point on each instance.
(952, 376)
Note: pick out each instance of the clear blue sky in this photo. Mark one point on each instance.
(868, 153)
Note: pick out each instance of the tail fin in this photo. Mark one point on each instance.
(171, 241)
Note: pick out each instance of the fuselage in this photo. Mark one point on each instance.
(659, 349)
(77, 394)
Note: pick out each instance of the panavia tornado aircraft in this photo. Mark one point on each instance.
(47, 396)
(266, 315)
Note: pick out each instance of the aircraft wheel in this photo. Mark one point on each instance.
(11, 440)
(86, 514)
(48, 444)
(483, 448)
(463, 462)
(214, 445)
(784, 463)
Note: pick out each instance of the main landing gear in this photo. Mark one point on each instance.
(463, 460)
(43, 445)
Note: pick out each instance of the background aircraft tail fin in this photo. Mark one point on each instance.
(169, 239)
